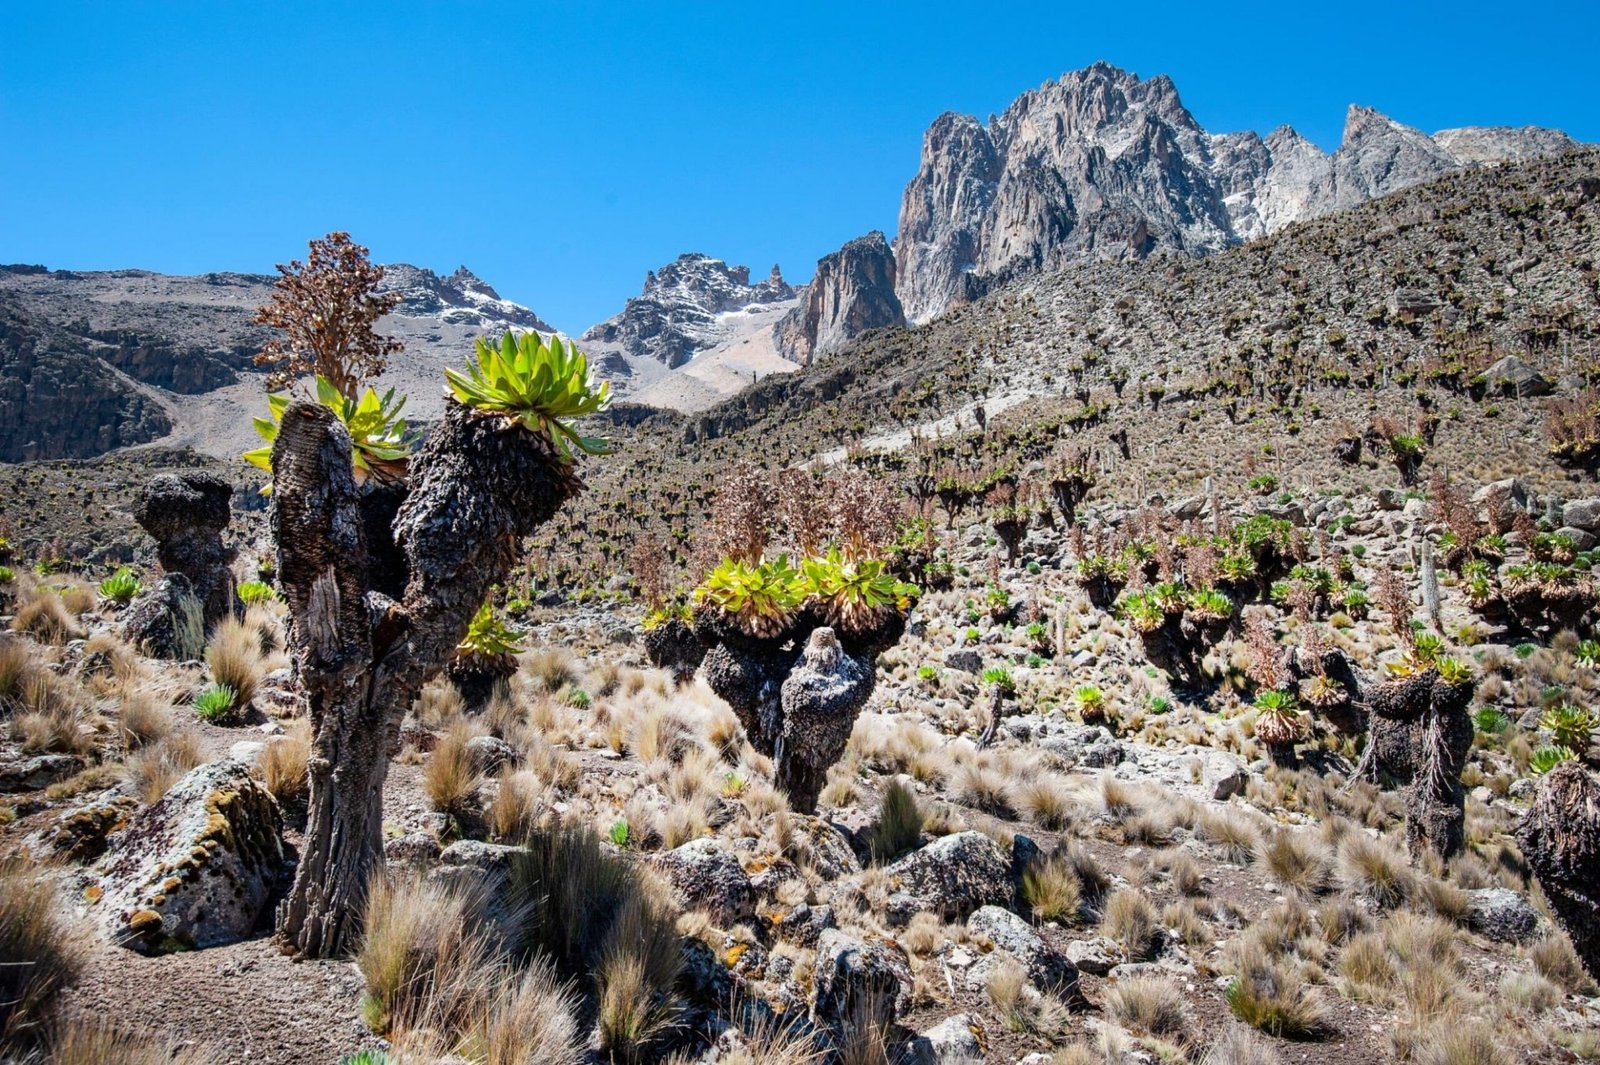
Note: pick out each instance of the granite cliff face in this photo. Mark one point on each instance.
(853, 291)
(1102, 165)
(692, 304)
(58, 399)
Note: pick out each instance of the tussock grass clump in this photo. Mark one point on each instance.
(550, 668)
(1150, 1005)
(1369, 973)
(983, 788)
(1273, 996)
(517, 803)
(449, 780)
(1374, 870)
(282, 768)
(530, 1020)
(1234, 836)
(40, 952)
(1131, 921)
(1238, 1045)
(421, 957)
(97, 1042)
(1297, 860)
(142, 719)
(899, 827)
(154, 769)
(1047, 802)
(1022, 1008)
(1554, 959)
(1452, 1041)
(601, 920)
(57, 726)
(1052, 891)
(46, 618)
(234, 658)
(16, 666)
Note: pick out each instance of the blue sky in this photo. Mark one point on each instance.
(561, 151)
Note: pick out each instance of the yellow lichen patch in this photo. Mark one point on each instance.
(170, 884)
(93, 893)
(158, 900)
(735, 952)
(143, 920)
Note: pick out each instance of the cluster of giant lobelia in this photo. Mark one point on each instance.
(386, 557)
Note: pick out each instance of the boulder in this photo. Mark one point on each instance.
(805, 924)
(858, 981)
(1582, 514)
(707, 878)
(951, 877)
(167, 621)
(81, 834)
(414, 850)
(489, 754)
(1047, 968)
(1502, 915)
(964, 659)
(1582, 539)
(955, 1040)
(39, 771)
(1513, 377)
(832, 852)
(1095, 956)
(196, 868)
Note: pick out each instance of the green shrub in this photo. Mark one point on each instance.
(121, 587)
(215, 702)
(541, 383)
(899, 827)
(253, 592)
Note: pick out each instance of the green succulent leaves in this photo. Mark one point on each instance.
(540, 383)
(853, 593)
(489, 636)
(381, 443)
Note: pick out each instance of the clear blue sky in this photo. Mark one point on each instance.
(562, 151)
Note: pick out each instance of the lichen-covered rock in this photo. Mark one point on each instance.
(957, 1040)
(489, 754)
(805, 924)
(415, 850)
(81, 834)
(1502, 915)
(707, 878)
(39, 771)
(166, 620)
(1047, 968)
(859, 981)
(821, 699)
(951, 877)
(196, 868)
(832, 855)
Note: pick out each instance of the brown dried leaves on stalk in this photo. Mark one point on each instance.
(327, 306)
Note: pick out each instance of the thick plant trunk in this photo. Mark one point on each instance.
(1560, 837)
(477, 487)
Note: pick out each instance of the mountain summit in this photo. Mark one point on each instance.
(1103, 165)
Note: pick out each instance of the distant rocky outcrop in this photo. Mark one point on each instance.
(1102, 165)
(690, 305)
(460, 299)
(58, 399)
(852, 292)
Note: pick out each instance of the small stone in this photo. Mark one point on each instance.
(1502, 915)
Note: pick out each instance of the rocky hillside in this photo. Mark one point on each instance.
(1102, 165)
(124, 357)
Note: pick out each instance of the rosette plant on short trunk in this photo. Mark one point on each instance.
(792, 649)
(1179, 627)
(485, 657)
(498, 465)
(1560, 837)
(1419, 735)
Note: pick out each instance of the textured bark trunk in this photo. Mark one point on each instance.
(1560, 835)
(477, 488)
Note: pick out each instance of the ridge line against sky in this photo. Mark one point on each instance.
(560, 151)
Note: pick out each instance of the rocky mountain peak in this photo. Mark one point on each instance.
(854, 291)
(1100, 164)
(459, 299)
(685, 307)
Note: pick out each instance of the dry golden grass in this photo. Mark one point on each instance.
(422, 960)
(1554, 959)
(40, 952)
(155, 768)
(282, 766)
(1375, 870)
(98, 1042)
(1297, 859)
(1047, 802)
(46, 618)
(1149, 1005)
(517, 804)
(143, 718)
(1130, 920)
(1052, 890)
(234, 658)
(1238, 1045)
(448, 779)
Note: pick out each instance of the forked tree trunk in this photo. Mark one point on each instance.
(1560, 836)
(477, 487)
